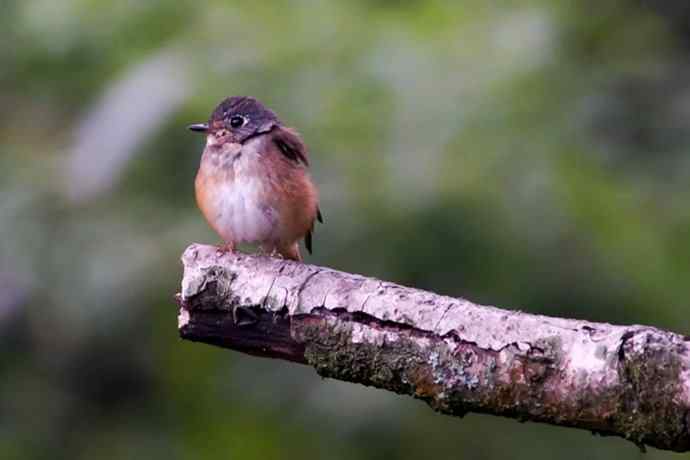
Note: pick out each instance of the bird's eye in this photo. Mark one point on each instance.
(237, 121)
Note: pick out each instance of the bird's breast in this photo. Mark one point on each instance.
(235, 199)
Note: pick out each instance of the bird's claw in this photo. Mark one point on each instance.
(225, 248)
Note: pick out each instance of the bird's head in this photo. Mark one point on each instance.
(237, 119)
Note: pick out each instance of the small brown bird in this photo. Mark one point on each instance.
(253, 184)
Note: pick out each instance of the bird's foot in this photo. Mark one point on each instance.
(225, 248)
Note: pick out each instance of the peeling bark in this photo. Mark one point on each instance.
(629, 381)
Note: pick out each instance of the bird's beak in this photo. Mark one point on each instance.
(199, 127)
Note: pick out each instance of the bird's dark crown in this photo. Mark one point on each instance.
(245, 106)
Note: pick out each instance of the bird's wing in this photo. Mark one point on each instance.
(290, 144)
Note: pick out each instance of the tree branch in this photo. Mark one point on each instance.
(629, 381)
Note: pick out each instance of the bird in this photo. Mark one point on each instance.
(253, 184)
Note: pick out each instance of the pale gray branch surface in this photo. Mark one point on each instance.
(630, 381)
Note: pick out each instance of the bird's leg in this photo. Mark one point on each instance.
(226, 247)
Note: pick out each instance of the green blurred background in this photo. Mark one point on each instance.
(528, 154)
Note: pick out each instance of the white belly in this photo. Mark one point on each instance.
(239, 214)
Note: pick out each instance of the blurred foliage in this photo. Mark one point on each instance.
(526, 154)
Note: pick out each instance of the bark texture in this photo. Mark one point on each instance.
(629, 381)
